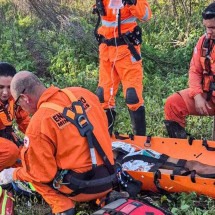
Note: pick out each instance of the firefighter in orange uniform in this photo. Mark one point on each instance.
(119, 39)
(199, 98)
(67, 153)
(9, 151)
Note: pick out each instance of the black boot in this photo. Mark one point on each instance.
(174, 130)
(111, 115)
(138, 121)
(71, 211)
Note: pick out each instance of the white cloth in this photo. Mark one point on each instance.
(146, 152)
(6, 176)
(140, 165)
(124, 146)
(137, 165)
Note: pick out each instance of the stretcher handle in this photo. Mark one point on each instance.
(119, 137)
(205, 144)
(157, 176)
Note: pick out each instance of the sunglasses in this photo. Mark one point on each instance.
(208, 14)
(17, 100)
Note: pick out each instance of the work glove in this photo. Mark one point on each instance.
(6, 176)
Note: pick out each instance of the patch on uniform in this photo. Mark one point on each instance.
(59, 120)
(195, 50)
(26, 141)
(84, 103)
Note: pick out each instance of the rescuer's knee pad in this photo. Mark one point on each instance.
(131, 96)
(100, 94)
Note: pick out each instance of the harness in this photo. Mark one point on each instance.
(8, 131)
(208, 77)
(130, 39)
(98, 179)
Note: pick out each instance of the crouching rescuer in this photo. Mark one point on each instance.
(10, 112)
(119, 39)
(199, 98)
(67, 154)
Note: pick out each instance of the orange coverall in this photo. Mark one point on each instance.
(116, 62)
(52, 143)
(181, 104)
(9, 152)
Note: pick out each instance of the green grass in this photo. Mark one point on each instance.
(70, 58)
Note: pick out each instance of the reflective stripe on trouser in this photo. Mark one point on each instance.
(9, 153)
(179, 105)
(59, 202)
(125, 70)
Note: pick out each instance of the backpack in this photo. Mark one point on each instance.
(6, 202)
(129, 206)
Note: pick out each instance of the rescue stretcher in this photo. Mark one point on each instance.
(188, 149)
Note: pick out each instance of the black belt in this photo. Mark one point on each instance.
(124, 40)
(113, 41)
(93, 181)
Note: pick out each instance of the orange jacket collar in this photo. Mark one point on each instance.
(47, 94)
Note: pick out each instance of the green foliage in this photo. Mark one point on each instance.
(67, 55)
(169, 42)
(191, 204)
(12, 38)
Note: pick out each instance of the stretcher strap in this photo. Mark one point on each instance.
(207, 175)
(177, 168)
(156, 167)
(205, 144)
(157, 176)
(178, 171)
(148, 141)
(193, 176)
(163, 158)
(190, 139)
(181, 162)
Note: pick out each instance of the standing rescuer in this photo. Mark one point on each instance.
(67, 154)
(119, 39)
(199, 98)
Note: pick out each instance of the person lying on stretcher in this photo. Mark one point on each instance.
(147, 160)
